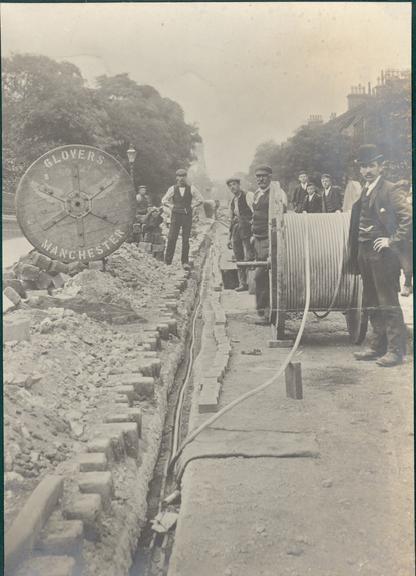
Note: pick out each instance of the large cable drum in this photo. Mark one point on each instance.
(76, 203)
(333, 285)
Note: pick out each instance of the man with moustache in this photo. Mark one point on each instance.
(260, 235)
(380, 225)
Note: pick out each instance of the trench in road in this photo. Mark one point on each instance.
(153, 550)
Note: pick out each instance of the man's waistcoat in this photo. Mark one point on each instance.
(260, 224)
(182, 204)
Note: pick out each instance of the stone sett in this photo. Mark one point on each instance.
(15, 329)
(48, 566)
(103, 445)
(62, 537)
(97, 483)
(87, 508)
(116, 437)
(12, 295)
(92, 462)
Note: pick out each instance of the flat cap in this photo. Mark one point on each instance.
(300, 172)
(264, 168)
(233, 179)
(326, 176)
(181, 172)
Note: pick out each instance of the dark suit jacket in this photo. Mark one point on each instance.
(333, 201)
(313, 206)
(393, 213)
(298, 198)
(240, 225)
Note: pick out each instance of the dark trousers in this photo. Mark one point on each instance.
(380, 272)
(261, 249)
(242, 251)
(179, 221)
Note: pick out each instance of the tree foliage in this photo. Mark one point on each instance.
(385, 121)
(47, 104)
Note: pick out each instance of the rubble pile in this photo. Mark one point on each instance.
(53, 384)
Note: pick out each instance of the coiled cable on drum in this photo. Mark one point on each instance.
(332, 286)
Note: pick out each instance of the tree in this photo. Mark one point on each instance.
(155, 126)
(314, 149)
(47, 104)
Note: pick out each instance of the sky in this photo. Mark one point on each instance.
(243, 72)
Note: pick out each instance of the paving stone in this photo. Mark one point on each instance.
(151, 343)
(17, 285)
(12, 295)
(144, 386)
(58, 266)
(62, 537)
(97, 483)
(16, 329)
(116, 437)
(7, 304)
(129, 432)
(48, 566)
(29, 272)
(60, 279)
(44, 280)
(126, 390)
(123, 400)
(163, 329)
(103, 445)
(41, 261)
(88, 509)
(26, 527)
(92, 462)
(131, 415)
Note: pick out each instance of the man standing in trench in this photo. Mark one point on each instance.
(380, 225)
(240, 228)
(260, 235)
(182, 199)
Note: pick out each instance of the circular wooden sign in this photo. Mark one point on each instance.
(76, 203)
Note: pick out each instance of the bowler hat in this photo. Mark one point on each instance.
(233, 179)
(368, 153)
(263, 168)
(181, 172)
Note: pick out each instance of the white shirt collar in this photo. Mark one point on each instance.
(371, 186)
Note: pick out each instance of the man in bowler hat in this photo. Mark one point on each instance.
(380, 225)
(182, 199)
(240, 229)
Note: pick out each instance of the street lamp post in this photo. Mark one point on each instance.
(131, 155)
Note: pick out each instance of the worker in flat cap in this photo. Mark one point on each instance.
(380, 225)
(267, 190)
(240, 228)
(181, 199)
(300, 192)
(331, 195)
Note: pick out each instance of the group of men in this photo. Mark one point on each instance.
(307, 197)
(381, 228)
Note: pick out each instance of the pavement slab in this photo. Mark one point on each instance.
(348, 511)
